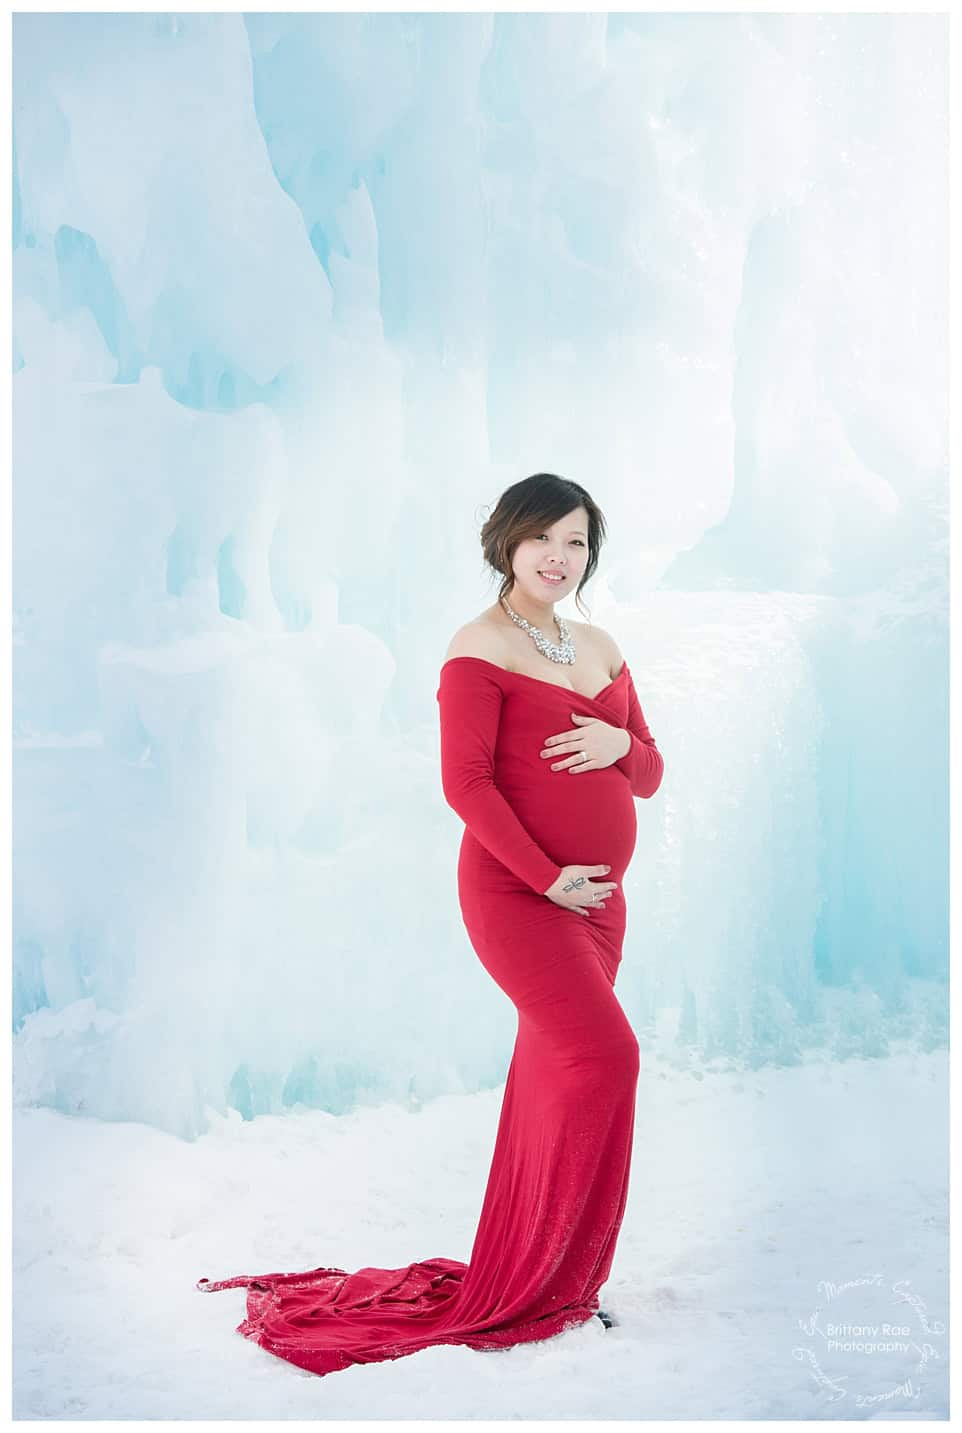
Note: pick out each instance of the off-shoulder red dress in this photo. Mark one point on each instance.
(558, 1181)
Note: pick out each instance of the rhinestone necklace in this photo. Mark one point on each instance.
(554, 651)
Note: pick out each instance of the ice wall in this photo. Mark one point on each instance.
(295, 296)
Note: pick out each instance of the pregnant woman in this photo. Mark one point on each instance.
(544, 747)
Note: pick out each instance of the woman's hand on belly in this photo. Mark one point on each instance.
(602, 745)
(576, 891)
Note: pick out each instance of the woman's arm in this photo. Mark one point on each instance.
(642, 763)
(470, 700)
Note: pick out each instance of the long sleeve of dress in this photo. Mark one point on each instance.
(470, 702)
(642, 763)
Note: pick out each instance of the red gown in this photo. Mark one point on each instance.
(558, 1181)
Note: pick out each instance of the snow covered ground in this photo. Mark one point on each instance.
(756, 1200)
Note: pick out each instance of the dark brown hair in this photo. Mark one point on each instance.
(525, 510)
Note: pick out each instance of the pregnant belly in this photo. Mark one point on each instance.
(586, 820)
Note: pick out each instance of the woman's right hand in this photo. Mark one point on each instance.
(576, 891)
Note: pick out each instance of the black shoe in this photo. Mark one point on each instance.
(605, 1318)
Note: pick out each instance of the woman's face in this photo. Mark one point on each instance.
(560, 550)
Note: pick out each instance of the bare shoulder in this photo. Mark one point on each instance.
(478, 638)
(601, 643)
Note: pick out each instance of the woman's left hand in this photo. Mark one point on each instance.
(602, 744)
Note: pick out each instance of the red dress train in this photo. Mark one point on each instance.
(558, 1181)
